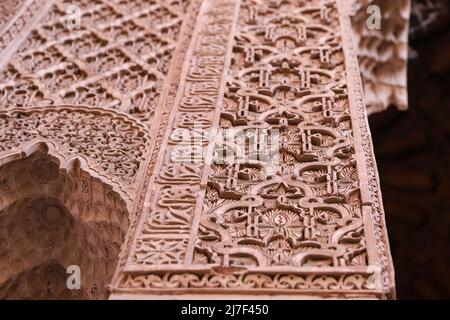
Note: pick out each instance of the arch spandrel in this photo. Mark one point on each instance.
(110, 144)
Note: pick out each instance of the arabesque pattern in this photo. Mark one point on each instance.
(302, 207)
(116, 58)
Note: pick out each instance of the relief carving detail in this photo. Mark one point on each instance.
(201, 147)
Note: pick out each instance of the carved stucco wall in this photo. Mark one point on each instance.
(109, 99)
(87, 96)
(7, 10)
(383, 52)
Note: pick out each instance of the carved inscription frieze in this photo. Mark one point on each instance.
(166, 228)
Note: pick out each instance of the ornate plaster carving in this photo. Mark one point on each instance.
(428, 16)
(8, 8)
(118, 57)
(314, 209)
(115, 64)
(118, 95)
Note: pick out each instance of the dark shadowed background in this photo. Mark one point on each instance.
(413, 155)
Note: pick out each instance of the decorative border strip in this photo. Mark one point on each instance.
(217, 19)
(367, 169)
(137, 278)
(175, 283)
(161, 121)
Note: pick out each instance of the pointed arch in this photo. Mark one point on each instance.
(55, 213)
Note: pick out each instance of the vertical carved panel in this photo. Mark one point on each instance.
(166, 228)
(304, 218)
